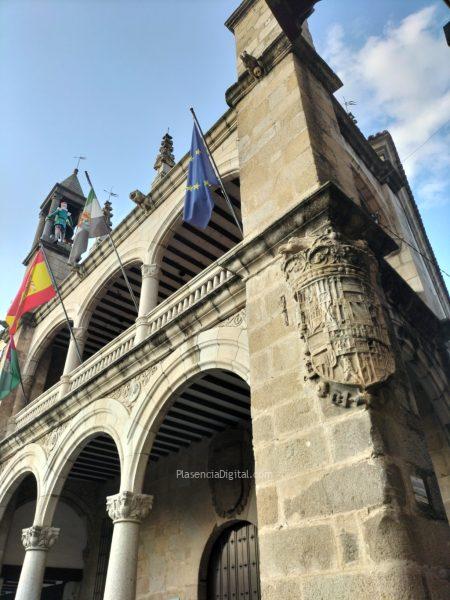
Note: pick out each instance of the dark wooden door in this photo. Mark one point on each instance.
(233, 572)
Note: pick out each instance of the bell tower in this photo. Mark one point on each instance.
(69, 191)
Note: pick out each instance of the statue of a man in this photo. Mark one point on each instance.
(61, 217)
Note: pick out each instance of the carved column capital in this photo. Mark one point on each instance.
(150, 270)
(39, 538)
(127, 506)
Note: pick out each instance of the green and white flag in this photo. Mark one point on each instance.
(10, 374)
(91, 224)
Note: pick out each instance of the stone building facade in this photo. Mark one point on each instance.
(306, 364)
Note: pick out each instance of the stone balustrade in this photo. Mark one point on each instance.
(187, 298)
(38, 406)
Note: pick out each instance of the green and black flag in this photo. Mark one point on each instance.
(91, 224)
(10, 373)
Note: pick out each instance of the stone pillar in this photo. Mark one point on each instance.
(37, 542)
(48, 227)
(345, 488)
(286, 122)
(347, 499)
(148, 299)
(127, 510)
(39, 229)
(72, 358)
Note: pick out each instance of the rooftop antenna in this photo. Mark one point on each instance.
(80, 158)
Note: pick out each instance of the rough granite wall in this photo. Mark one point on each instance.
(182, 521)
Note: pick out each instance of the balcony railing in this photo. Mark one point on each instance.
(183, 300)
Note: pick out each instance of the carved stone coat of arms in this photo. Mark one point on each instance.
(340, 314)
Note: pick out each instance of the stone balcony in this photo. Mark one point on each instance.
(210, 297)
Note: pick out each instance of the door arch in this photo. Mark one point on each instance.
(233, 567)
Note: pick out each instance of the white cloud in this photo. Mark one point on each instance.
(401, 82)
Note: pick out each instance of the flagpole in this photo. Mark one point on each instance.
(213, 162)
(130, 289)
(55, 285)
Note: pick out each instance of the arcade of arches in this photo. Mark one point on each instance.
(204, 428)
(184, 252)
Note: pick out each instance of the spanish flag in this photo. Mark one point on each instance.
(36, 289)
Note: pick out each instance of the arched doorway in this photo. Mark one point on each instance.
(233, 568)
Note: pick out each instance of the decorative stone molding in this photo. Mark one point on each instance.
(127, 506)
(39, 538)
(341, 317)
(53, 437)
(129, 392)
(239, 319)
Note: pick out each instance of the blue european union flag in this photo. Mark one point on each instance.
(199, 203)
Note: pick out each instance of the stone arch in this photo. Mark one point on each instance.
(128, 258)
(106, 416)
(181, 251)
(157, 246)
(29, 461)
(215, 349)
(108, 308)
(41, 342)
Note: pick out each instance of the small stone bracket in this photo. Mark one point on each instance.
(141, 200)
(254, 66)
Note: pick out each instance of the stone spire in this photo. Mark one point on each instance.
(108, 213)
(165, 159)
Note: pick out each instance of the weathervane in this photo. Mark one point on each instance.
(80, 158)
(348, 103)
(111, 194)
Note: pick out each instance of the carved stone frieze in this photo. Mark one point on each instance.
(53, 437)
(236, 320)
(129, 392)
(341, 317)
(39, 538)
(127, 506)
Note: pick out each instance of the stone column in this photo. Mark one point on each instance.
(127, 510)
(40, 228)
(37, 542)
(48, 227)
(72, 358)
(148, 299)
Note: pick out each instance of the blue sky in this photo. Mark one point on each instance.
(105, 79)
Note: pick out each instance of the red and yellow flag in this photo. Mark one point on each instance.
(36, 289)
